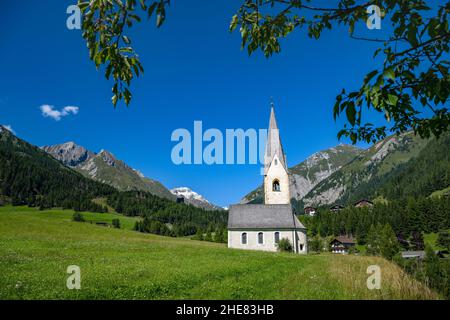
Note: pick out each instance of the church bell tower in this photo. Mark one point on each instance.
(276, 178)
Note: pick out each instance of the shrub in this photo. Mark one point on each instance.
(444, 239)
(218, 236)
(198, 235)
(139, 226)
(315, 244)
(381, 241)
(353, 250)
(208, 237)
(78, 217)
(116, 223)
(285, 245)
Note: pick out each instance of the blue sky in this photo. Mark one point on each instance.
(194, 70)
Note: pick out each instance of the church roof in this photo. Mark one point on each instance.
(263, 216)
(273, 144)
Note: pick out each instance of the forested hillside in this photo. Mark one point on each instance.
(106, 168)
(394, 168)
(408, 218)
(420, 176)
(165, 217)
(30, 176)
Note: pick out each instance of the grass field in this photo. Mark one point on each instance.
(36, 247)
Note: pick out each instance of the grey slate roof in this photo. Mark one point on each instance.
(262, 216)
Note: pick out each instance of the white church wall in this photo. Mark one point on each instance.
(302, 242)
(276, 172)
(235, 236)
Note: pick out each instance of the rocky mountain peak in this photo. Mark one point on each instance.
(105, 167)
(108, 157)
(139, 173)
(373, 165)
(314, 169)
(69, 153)
(4, 129)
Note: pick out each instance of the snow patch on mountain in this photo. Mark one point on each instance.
(140, 174)
(192, 197)
(188, 193)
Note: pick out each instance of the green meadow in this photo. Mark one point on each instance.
(36, 247)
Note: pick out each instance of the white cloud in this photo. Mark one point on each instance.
(50, 111)
(9, 128)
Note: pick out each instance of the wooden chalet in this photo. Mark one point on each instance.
(310, 211)
(342, 244)
(363, 203)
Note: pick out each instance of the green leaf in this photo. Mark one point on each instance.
(389, 73)
(351, 113)
(234, 22)
(151, 9)
(126, 39)
(127, 96)
(114, 100)
(351, 28)
(392, 99)
(83, 5)
(159, 20)
(412, 35)
(376, 52)
(341, 133)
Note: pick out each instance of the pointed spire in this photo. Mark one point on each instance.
(272, 121)
(273, 144)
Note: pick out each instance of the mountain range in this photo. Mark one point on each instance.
(31, 176)
(344, 174)
(106, 168)
(309, 173)
(396, 167)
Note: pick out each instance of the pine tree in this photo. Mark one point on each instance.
(389, 245)
(208, 237)
(218, 236)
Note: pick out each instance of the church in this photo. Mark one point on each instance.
(262, 226)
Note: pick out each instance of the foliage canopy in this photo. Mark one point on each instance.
(410, 88)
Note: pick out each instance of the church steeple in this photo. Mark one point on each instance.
(273, 144)
(276, 178)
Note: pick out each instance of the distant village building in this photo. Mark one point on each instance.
(342, 244)
(364, 203)
(262, 226)
(336, 208)
(310, 211)
(420, 255)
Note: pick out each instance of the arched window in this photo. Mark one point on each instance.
(260, 238)
(277, 237)
(244, 238)
(276, 185)
(276, 162)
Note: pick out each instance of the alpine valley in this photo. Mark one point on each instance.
(106, 168)
(396, 167)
